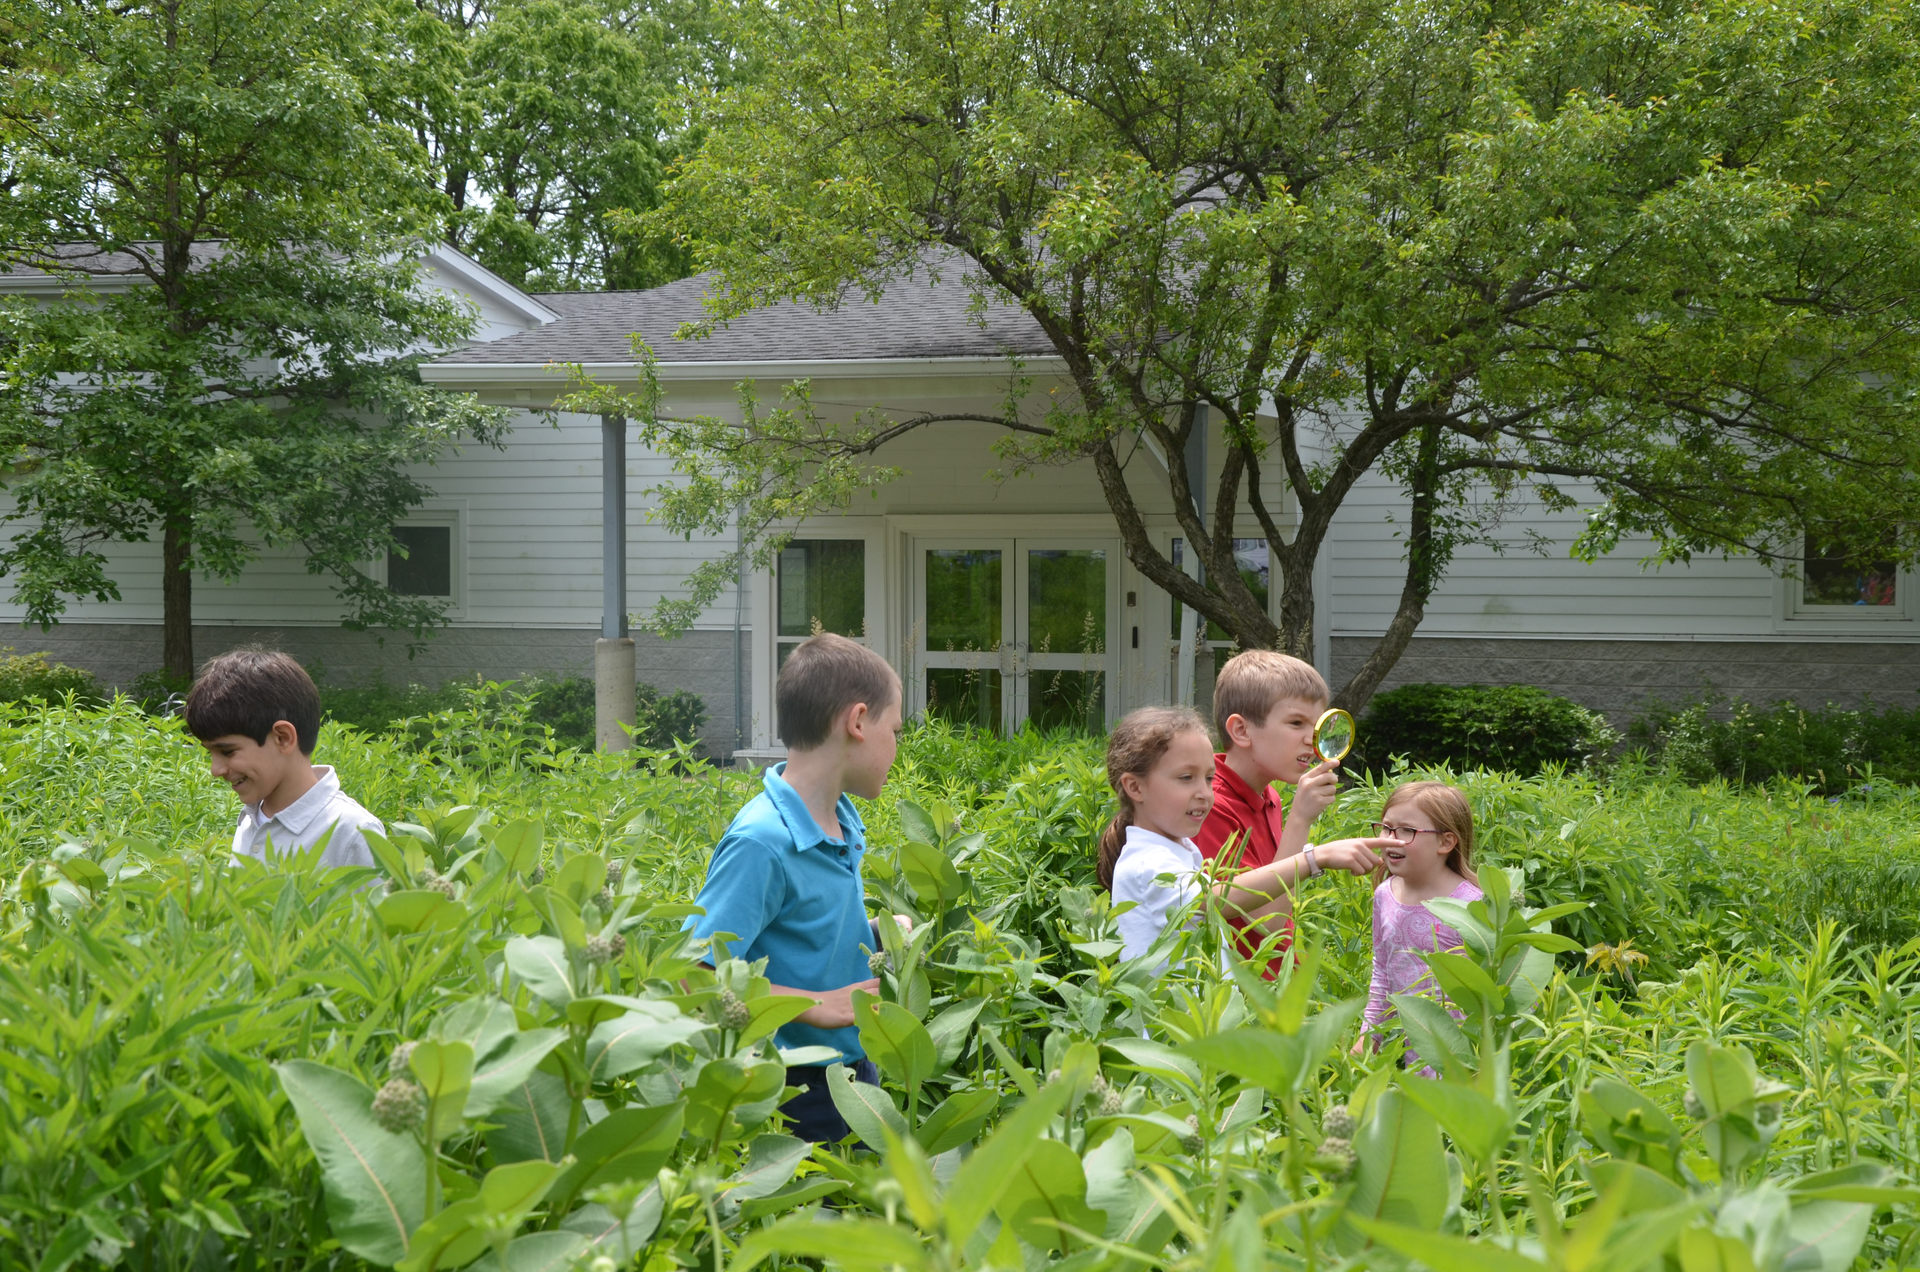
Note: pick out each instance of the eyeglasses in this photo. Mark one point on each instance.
(1407, 833)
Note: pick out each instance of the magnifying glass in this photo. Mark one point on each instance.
(1333, 735)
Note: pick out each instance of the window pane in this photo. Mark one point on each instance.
(965, 695)
(1067, 601)
(1833, 578)
(963, 598)
(427, 568)
(824, 581)
(1068, 699)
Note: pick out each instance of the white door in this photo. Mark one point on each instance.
(1010, 630)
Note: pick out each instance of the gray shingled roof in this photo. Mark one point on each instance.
(915, 318)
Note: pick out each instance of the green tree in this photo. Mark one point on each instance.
(236, 227)
(1656, 261)
(552, 124)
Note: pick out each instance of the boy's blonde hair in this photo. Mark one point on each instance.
(1255, 680)
(1447, 808)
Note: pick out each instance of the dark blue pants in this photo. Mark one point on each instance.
(812, 1111)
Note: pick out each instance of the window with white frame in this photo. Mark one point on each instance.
(819, 585)
(1254, 562)
(1837, 589)
(425, 559)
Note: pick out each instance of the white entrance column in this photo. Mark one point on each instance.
(1191, 630)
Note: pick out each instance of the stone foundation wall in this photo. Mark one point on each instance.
(700, 661)
(1619, 677)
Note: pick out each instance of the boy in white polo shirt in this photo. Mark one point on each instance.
(258, 715)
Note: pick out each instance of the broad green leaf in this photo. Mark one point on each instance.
(726, 1085)
(497, 1076)
(1444, 1253)
(420, 911)
(896, 1041)
(1466, 983)
(800, 1193)
(482, 1023)
(445, 1072)
(626, 1144)
(771, 1161)
(858, 1245)
(518, 843)
(956, 1120)
(1704, 1250)
(531, 1120)
(1478, 1125)
(1644, 1189)
(375, 1181)
(1046, 1191)
(1151, 1130)
(866, 1108)
(976, 1189)
(931, 876)
(770, 1011)
(950, 1031)
(1260, 1056)
(1433, 1032)
(448, 1240)
(1401, 1175)
(1111, 1187)
(1156, 1058)
(1723, 1078)
(613, 1236)
(617, 1047)
(545, 1252)
(540, 963)
(916, 823)
(1826, 1234)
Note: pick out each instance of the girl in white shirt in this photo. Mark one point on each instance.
(1160, 765)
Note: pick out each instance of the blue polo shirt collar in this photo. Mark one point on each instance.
(799, 821)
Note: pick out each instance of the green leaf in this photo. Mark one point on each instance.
(518, 843)
(545, 1252)
(1401, 1174)
(1446, 1254)
(617, 1047)
(1046, 1191)
(726, 1085)
(896, 1041)
(540, 963)
(531, 1120)
(1479, 1125)
(445, 1072)
(1435, 1034)
(622, 1239)
(931, 876)
(956, 1120)
(374, 1180)
(792, 1197)
(950, 1031)
(866, 1108)
(404, 913)
(448, 1240)
(626, 1144)
(976, 1188)
(1157, 1059)
(916, 823)
(1260, 1056)
(771, 1161)
(771, 1011)
(508, 1068)
(858, 1245)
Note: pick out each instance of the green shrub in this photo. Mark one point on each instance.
(1513, 728)
(36, 678)
(1832, 750)
(377, 705)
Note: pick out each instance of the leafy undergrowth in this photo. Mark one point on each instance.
(198, 1063)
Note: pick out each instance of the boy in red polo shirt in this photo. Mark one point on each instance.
(1265, 705)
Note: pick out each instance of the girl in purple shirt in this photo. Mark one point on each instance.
(1432, 826)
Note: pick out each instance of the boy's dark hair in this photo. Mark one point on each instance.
(823, 676)
(246, 691)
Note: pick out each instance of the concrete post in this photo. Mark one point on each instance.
(613, 693)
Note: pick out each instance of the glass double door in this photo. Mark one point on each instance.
(1014, 630)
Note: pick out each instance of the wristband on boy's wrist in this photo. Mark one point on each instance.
(1313, 864)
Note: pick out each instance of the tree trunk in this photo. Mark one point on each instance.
(176, 593)
(1423, 571)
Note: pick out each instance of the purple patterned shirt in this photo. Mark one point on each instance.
(1401, 934)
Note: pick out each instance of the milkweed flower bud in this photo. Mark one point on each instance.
(877, 962)
(614, 871)
(1336, 1156)
(1192, 1142)
(603, 899)
(601, 950)
(734, 1014)
(537, 877)
(400, 1106)
(1695, 1109)
(1339, 1123)
(397, 1062)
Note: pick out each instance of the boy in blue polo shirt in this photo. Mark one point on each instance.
(785, 878)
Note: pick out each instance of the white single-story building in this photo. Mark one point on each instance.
(997, 599)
